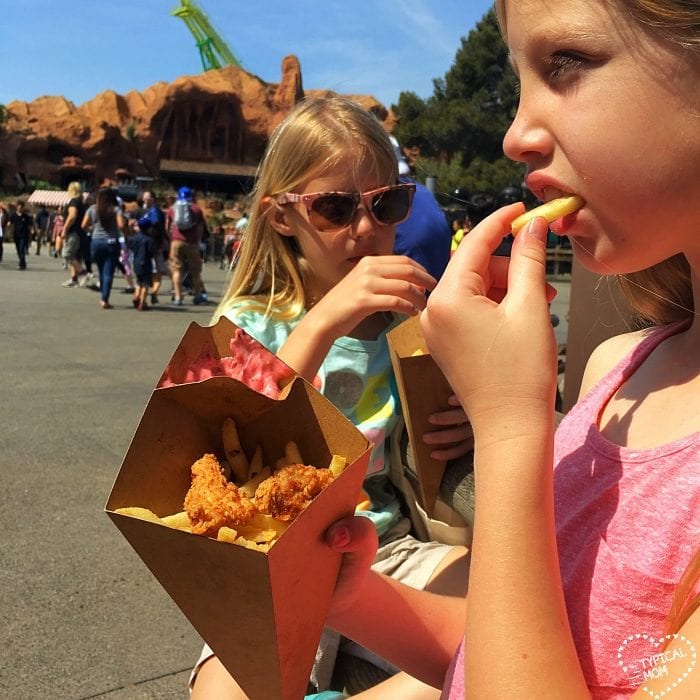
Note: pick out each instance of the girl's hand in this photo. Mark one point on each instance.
(487, 322)
(455, 438)
(377, 283)
(356, 538)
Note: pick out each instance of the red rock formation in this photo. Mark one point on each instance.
(223, 116)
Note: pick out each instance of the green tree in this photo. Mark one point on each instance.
(460, 128)
(4, 116)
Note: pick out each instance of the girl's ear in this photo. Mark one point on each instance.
(276, 216)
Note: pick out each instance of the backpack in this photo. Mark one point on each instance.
(182, 214)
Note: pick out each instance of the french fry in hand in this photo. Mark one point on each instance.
(234, 452)
(552, 210)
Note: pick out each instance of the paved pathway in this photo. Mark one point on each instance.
(81, 615)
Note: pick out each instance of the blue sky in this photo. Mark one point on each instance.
(78, 48)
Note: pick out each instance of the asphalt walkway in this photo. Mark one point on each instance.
(82, 617)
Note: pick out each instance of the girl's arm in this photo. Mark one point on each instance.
(376, 284)
(498, 352)
(417, 631)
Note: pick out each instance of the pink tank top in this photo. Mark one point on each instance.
(628, 524)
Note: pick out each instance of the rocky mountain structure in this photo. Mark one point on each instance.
(215, 123)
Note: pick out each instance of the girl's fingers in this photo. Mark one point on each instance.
(450, 417)
(356, 538)
(445, 454)
(528, 260)
(461, 433)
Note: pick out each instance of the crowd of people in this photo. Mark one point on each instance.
(96, 235)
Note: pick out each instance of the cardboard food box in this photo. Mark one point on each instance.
(423, 390)
(261, 613)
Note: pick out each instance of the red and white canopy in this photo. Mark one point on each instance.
(49, 198)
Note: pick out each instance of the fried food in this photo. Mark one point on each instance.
(290, 490)
(551, 211)
(213, 502)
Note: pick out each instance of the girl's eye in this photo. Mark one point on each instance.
(563, 62)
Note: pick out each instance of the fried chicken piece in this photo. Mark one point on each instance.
(288, 491)
(213, 502)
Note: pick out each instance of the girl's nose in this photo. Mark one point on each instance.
(527, 139)
(363, 225)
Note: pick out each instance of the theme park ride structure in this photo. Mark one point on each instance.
(212, 48)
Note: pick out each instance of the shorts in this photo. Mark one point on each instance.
(160, 264)
(185, 254)
(71, 247)
(144, 278)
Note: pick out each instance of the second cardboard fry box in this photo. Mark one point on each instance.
(262, 613)
(423, 390)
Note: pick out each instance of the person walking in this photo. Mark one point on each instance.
(185, 222)
(73, 233)
(106, 220)
(22, 227)
(161, 242)
(142, 246)
(4, 223)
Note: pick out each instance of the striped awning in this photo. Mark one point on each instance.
(49, 198)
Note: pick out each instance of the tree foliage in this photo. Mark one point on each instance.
(460, 128)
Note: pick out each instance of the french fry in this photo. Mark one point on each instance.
(255, 535)
(418, 352)
(256, 464)
(178, 521)
(227, 534)
(250, 544)
(234, 452)
(337, 465)
(552, 210)
(263, 521)
(140, 513)
(292, 454)
(248, 489)
(280, 463)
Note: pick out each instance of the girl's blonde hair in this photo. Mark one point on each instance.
(662, 293)
(684, 602)
(75, 189)
(316, 136)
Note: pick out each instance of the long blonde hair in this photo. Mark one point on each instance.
(662, 293)
(684, 602)
(318, 134)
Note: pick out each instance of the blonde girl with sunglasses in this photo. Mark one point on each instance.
(317, 283)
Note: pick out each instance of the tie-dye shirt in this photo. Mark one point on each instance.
(356, 377)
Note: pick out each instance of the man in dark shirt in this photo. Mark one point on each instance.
(22, 226)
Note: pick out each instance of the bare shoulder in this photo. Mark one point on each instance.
(607, 355)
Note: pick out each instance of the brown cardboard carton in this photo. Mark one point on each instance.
(423, 390)
(262, 613)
